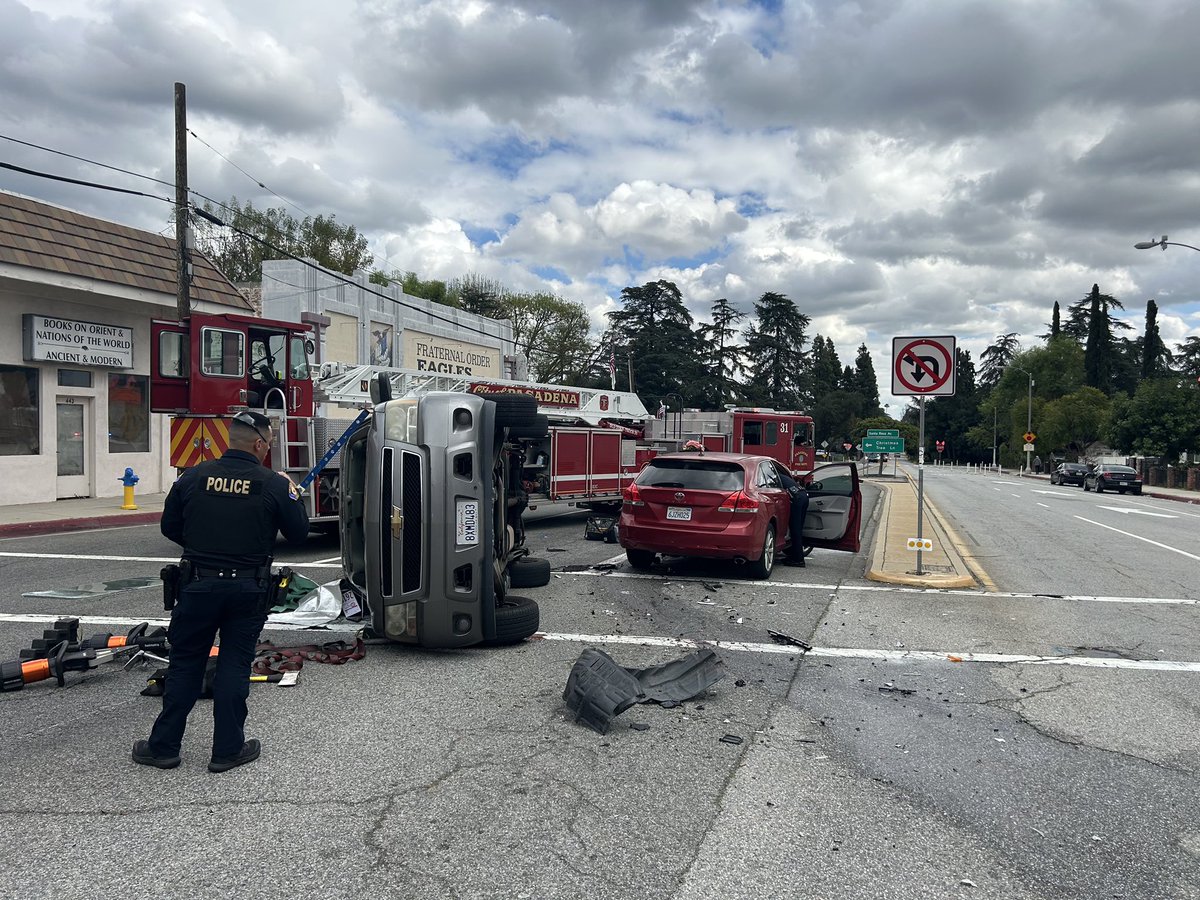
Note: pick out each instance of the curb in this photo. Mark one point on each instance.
(928, 580)
(59, 526)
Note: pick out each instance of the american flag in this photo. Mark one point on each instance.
(612, 367)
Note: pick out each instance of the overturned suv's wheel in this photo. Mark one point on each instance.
(528, 572)
(516, 619)
(513, 410)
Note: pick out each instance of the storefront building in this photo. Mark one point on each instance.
(359, 323)
(76, 298)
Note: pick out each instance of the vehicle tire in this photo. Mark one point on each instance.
(513, 409)
(516, 619)
(761, 567)
(1099, 486)
(1085, 487)
(528, 572)
(1137, 492)
(538, 429)
(639, 559)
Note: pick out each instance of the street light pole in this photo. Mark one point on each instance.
(1028, 419)
(994, 437)
(1164, 244)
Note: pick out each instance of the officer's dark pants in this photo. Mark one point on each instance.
(232, 606)
(796, 525)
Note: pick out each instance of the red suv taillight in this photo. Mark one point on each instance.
(632, 496)
(738, 502)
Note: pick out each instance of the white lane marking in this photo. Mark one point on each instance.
(939, 656)
(896, 589)
(328, 562)
(125, 621)
(1016, 495)
(1015, 483)
(155, 559)
(1043, 505)
(1138, 512)
(1053, 493)
(1140, 538)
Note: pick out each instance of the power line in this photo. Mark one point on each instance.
(247, 174)
(90, 162)
(91, 184)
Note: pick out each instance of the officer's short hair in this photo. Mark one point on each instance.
(252, 424)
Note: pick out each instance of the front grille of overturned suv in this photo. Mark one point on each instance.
(414, 523)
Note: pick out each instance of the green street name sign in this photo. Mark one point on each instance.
(883, 432)
(874, 444)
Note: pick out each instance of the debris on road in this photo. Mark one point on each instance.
(730, 739)
(890, 688)
(599, 689)
(780, 638)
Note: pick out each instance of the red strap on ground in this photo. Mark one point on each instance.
(272, 660)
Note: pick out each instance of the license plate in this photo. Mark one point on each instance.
(466, 529)
(679, 513)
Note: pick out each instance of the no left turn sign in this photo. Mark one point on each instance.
(923, 366)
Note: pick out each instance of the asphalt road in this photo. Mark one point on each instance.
(877, 765)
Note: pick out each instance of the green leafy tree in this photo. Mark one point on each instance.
(1072, 422)
(239, 256)
(775, 348)
(951, 418)
(835, 415)
(656, 329)
(725, 357)
(866, 384)
(552, 333)
(1156, 358)
(1161, 419)
(995, 359)
(478, 294)
(825, 369)
(1187, 357)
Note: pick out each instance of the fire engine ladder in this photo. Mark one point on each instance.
(350, 386)
(297, 455)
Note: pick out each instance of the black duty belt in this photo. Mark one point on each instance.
(231, 572)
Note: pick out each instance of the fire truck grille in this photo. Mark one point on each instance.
(414, 523)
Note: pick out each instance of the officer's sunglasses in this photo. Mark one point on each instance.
(243, 419)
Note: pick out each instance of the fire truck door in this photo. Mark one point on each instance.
(218, 366)
(713, 442)
(604, 469)
(168, 366)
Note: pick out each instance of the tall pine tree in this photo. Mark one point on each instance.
(1156, 358)
(775, 350)
(865, 382)
(654, 327)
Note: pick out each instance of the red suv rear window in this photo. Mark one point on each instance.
(695, 475)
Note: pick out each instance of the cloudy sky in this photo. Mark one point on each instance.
(896, 167)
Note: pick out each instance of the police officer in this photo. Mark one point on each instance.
(799, 507)
(225, 513)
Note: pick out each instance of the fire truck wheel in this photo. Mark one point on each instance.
(761, 567)
(513, 409)
(639, 559)
(516, 619)
(539, 429)
(528, 572)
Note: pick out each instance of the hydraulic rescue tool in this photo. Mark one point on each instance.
(60, 650)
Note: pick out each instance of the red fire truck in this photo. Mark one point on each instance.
(210, 367)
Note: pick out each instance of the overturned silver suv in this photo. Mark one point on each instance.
(430, 509)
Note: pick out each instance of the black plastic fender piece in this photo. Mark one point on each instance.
(598, 689)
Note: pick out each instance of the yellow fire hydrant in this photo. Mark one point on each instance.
(129, 480)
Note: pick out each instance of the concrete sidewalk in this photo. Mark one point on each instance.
(947, 565)
(58, 516)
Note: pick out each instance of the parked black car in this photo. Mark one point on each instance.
(1108, 477)
(1069, 473)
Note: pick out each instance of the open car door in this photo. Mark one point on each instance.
(834, 507)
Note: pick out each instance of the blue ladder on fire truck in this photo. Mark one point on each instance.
(335, 447)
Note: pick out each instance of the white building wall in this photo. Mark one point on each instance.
(34, 478)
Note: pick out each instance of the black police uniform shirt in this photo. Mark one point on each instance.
(225, 512)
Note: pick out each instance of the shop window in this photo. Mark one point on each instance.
(19, 411)
(128, 413)
(172, 354)
(74, 378)
(222, 352)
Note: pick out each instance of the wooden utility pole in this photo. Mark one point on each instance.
(183, 267)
